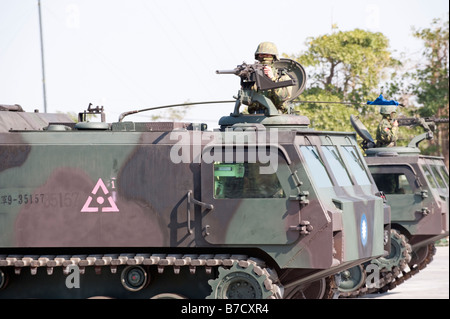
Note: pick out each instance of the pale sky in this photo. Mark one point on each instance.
(134, 54)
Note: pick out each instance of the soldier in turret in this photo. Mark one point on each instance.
(267, 53)
(387, 130)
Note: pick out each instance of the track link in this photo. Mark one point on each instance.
(163, 262)
(98, 261)
(393, 278)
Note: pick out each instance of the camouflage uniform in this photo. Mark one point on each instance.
(281, 95)
(387, 132)
(277, 96)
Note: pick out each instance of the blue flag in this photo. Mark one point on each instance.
(382, 101)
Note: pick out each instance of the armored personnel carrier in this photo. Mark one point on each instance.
(263, 207)
(416, 188)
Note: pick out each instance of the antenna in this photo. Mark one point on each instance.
(42, 56)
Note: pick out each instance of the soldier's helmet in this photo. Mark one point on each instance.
(267, 48)
(387, 109)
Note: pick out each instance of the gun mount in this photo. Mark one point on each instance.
(253, 75)
(83, 116)
(428, 123)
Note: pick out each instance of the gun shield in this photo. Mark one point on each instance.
(296, 72)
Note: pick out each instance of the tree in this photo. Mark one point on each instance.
(433, 80)
(343, 66)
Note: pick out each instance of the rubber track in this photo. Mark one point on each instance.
(391, 279)
(33, 262)
(161, 261)
(405, 275)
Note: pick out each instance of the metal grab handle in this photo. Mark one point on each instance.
(190, 199)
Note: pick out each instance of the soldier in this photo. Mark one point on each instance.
(266, 53)
(387, 130)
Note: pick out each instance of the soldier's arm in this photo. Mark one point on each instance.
(283, 93)
(389, 132)
(268, 72)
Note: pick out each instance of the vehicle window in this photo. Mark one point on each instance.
(438, 176)
(392, 183)
(337, 165)
(355, 165)
(316, 166)
(244, 180)
(444, 173)
(429, 176)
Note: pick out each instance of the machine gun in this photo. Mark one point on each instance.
(428, 123)
(254, 73)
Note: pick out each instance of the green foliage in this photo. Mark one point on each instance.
(352, 66)
(433, 77)
(324, 116)
(348, 63)
(172, 114)
(432, 88)
(343, 66)
(74, 116)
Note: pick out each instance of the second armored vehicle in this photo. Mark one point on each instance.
(416, 187)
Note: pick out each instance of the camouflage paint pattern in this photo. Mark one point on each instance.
(416, 189)
(421, 207)
(89, 187)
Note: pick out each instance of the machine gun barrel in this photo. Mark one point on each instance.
(440, 120)
(408, 121)
(251, 74)
(233, 71)
(428, 123)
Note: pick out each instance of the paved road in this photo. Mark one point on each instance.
(430, 283)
